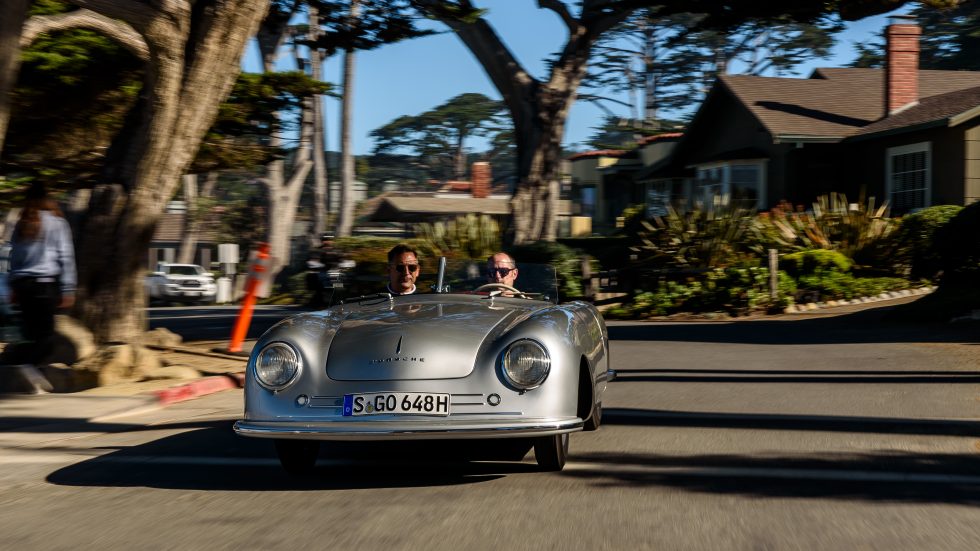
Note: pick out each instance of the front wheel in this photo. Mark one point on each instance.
(595, 419)
(297, 457)
(551, 452)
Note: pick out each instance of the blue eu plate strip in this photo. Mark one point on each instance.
(348, 405)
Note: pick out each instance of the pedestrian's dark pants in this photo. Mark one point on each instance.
(38, 299)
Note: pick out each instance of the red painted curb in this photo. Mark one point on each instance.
(198, 388)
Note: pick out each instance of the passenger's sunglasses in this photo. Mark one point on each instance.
(502, 272)
(407, 268)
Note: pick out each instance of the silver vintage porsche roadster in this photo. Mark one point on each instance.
(470, 360)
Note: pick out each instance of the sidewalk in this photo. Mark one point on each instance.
(217, 372)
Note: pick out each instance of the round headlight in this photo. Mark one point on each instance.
(526, 364)
(277, 365)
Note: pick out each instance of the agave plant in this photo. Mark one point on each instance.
(833, 223)
(694, 239)
(476, 236)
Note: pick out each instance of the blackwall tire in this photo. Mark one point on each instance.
(551, 452)
(595, 420)
(297, 457)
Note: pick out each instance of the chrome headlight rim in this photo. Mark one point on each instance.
(295, 376)
(505, 360)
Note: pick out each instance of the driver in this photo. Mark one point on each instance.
(501, 268)
(403, 269)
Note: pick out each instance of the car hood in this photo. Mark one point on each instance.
(415, 341)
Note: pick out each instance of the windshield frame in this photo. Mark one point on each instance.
(534, 281)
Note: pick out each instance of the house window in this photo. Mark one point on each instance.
(588, 201)
(908, 182)
(743, 183)
(711, 184)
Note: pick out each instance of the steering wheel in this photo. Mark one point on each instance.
(504, 286)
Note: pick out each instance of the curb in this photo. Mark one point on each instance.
(198, 388)
(811, 306)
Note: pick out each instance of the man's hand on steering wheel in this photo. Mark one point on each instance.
(502, 286)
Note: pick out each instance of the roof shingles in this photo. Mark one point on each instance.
(837, 103)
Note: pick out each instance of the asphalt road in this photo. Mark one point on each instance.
(811, 432)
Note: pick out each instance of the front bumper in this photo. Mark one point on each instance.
(196, 293)
(427, 429)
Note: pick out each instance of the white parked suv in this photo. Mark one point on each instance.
(180, 283)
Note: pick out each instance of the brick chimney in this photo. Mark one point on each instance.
(901, 63)
(480, 180)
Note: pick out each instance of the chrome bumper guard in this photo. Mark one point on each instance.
(406, 430)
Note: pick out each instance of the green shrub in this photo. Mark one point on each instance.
(566, 261)
(814, 261)
(957, 243)
(912, 250)
(732, 290)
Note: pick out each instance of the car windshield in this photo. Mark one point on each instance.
(534, 281)
(187, 270)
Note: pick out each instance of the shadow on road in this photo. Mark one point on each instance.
(867, 326)
(914, 478)
(761, 421)
(214, 458)
(790, 376)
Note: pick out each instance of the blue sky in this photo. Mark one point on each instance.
(416, 75)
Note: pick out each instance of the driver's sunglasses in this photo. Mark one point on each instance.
(502, 272)
(407, 268)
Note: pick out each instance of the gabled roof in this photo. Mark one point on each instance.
(170, 228)
(417, 208)
(622, 153)
(833, 103)
(945, 109)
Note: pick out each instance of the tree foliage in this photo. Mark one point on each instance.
(73, 92)
(437, 138)
(950, 39)
(379, 22)
(259, 104)
(667, 62)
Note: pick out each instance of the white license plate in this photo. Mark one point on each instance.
(193, 293)
(396, 403)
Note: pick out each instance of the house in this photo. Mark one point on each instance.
(451, 199)
(165, 244)
(901, 134)
(604, 182)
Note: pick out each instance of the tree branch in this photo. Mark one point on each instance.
(513, 82)
(562, 10)
(140, 15)
(86, 19)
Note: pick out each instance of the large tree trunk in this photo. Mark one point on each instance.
(13, 14)
(283, 195)
(194, 58)
(284, 198)
(317, 150)
(459, 160)
(345, 221)
(538, 109)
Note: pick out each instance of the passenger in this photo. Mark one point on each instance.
(403, 270)
(501, 268)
